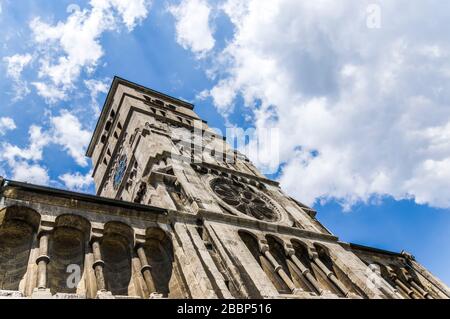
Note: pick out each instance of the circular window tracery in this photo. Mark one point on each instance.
(244, 199)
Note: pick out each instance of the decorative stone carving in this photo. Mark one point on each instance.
(244, 198)
(202, 228)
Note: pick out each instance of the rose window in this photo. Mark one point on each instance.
(244, 198)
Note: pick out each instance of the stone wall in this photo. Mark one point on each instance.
(124, 250)
(181, 215)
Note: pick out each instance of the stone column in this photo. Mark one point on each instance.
(403, 287)
(411, 293)
(424, 293)
(413, 284)
(146, 269)
(277, 268)
(98, 265)
(441, 290)
(330, 275)
(41, 291)
(304, 271)
(43, 260)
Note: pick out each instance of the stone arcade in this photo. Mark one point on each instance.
(173, 218)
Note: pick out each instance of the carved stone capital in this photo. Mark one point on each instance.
(44, 258)
(289, 252)
(44, 231)
(96, 238)
(263, 247)
(312, 254)
(145, 268)
(98, 263)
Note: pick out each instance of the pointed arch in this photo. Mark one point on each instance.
(324, 254)
(251, 241)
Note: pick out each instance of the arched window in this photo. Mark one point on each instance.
(342, 278)
(301, 253)
(252, 245)
(67, 248)
(18, 226)
(277, 251)
(116, 247)
(160, 256)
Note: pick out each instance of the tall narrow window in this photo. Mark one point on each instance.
(108, 126)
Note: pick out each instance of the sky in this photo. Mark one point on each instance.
(358, 93)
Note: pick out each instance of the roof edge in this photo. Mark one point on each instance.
(80, 196)
(373, 249)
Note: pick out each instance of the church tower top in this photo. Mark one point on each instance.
(139, 90)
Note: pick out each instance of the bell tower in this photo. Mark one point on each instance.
(233, 230)
(153, 149)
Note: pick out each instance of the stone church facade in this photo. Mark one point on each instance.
(180, 214)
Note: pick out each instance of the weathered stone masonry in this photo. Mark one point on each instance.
(178, 216)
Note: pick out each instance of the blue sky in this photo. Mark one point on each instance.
(358, 92)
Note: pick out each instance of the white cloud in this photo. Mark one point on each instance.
(95, 88)
(192, 25)
(68, 48)
(361, 112)
(68, 132)
(65, 130)
(223, 95)
(6, 124)
(203, 95)
(16, 64)
(37, 141)
(22, 162)
(132, 12)
(30, 173)
(77, 181)
(49, 92)
(14, 67)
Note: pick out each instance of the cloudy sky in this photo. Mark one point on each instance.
(358, 91)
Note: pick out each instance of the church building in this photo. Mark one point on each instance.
(178, 213)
